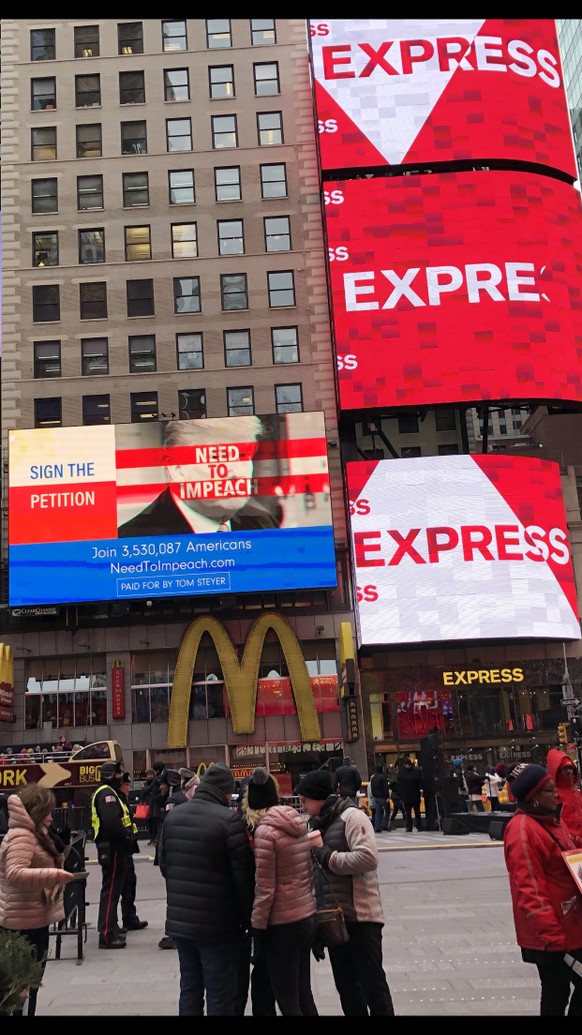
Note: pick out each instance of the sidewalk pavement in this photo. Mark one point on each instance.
(448, 940)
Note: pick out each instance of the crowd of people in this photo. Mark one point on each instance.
(265, 869)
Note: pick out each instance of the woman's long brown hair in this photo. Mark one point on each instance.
(39, 802)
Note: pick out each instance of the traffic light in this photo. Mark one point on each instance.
(563, 732)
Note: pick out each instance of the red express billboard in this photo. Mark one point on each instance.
(417, 91)
(460, 548)
(455, 287)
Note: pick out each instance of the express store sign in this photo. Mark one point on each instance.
(455, 287)
(460, 548)
(402, 91)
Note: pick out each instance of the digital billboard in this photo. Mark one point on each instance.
(460, 548)
(455, 287)
(403, 91)
(175, 508)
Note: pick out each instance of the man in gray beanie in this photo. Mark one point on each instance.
(208, 864)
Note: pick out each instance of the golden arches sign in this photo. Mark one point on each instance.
(241, 678)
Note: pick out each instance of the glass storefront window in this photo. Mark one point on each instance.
(141, 705)
(160, 703)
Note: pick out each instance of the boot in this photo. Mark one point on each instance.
(392, 825)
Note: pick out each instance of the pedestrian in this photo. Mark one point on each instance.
(349, 858)
(283, 919)
(157, 800)
(380, 790)
(410, 783)
(493, 784)
(113, 834)
(397, 803)
(547, 906)
(32, 874)
(170, 795)
(458, 776)
(148, 791)
(347, 780)
(129, 919)
(475, 783)
(565, 774)
(208, 864)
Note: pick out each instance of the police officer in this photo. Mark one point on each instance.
(129, 917)
(113, 834)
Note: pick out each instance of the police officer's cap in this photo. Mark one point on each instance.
(111, 770)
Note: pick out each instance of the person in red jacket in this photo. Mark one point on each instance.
(547, 905)
(565, 776)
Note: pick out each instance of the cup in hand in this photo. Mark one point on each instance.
(315, 838)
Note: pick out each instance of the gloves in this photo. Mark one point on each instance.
(258, 947)
(318, 951)
(322, 855)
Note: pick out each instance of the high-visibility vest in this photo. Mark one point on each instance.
(125, 815)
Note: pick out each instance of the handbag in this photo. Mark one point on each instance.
(142, 810)
(331, 923)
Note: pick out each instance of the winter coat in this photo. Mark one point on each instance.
(547, 905)
(347, 781)
(113, 828)
(30, 877)
(493, 784)
(569, 794)
(207, 860)
(474, 783)
(410, 783)
(350, 860)
(283, 869)
(379, 785)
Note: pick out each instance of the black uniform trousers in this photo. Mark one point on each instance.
(112, 878)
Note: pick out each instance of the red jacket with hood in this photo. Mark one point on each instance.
(569, 794)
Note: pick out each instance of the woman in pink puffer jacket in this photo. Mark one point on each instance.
(31, 873)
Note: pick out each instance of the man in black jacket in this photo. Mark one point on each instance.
(410, 783)
(347, 780)
(380, 790)
(207, 861)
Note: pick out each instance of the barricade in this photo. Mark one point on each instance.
(74, 922)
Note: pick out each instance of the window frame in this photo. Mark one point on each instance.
(86, 360)
(169, 86)
(130, 44)
(88, 92)
(37, 132)
(98, 194)
(87, 303)
(187, 120)
(126, 92)
(214, 91)
(130, 144)
(269, 237)
(97, 142)
(273, 165)
(127, 190)
(103, 403)
(84, 246)
(282, 407)
(260, 132)
(237, 348)
(140, 294)
(52, 195)
(43, 101)
(145, 244)
(217, 134)
(280, 345)
(181, 172)
(182, 35)
(234, 409)
(232, 238)
(90, 43)
(186, 412)
(41, 365)
(257, 41)
(39, 290)
(175, 241)
(271, 291)
(57, 421)
(217, 186)
(224, 277)
(45, 248)
(276, 79)
(193, 295)
(147, 398)
(134, 352)
(190, 352)
(52, 45)
(216, 34)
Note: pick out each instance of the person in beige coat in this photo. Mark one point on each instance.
(283, 919)
(31, 873)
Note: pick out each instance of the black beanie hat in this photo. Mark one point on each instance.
(219, 775)
(262, 790)
(525, 779)
(317, 785)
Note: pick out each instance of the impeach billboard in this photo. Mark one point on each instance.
(455, 287)
(175, 508)
(468, 547)
(392, 92)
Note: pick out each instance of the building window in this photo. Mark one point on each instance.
(187, 295)
(134, 139)
(221, 79)
(230, 237)
(131, 88)
(178, 134)
(140, 297)
(285, 342)
(263, 32)
(449, 449)
(176, 84)
(266, 78)
(96, 409)
(144, 406)
(224, 131)
(45, 249)
(43, 93)
(288, 398)
(191, 403)
(42, 45)
(406, 452)
(240, 401)
(86, 41)
(89, 141)
(48, 413)
(277, 234)
(142, 353)
(89, 192)
(408, 425)
(46, 303)
(181, 186)
(281, 288)
(270, 128)
(130, 38)
(174, 36)
(233, 291)
(94, 357)
(274, 180)
(218, 34)
(138, 245)
(87, 91)
(184, 241)
(445, 420)
(227, 185)
(189, 351)
(237, 348)
(136, 190)
(43, 144)
(93, 301)
(44, 196)
(91, 246)
(47, 358)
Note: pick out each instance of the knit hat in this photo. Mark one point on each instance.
(262, 790)
(126, 778)
(525, 779)
(317, 785)
(219, 775)
(458, 761)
